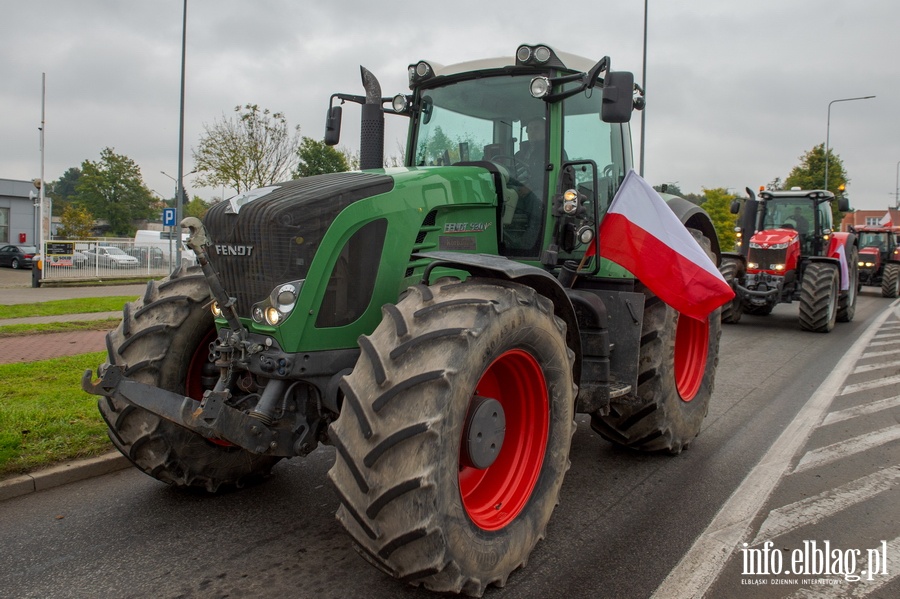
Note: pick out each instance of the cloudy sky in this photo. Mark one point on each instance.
(737, 91)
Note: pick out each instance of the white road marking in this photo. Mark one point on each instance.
(863, 587)
(878, 354)
(836, 451)
(701, 565)
(863, 410)
(878, 366)
(818, 507)
(869, 385)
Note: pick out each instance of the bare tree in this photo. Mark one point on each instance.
(253, 148)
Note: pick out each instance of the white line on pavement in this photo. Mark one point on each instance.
(863, 410)
(836, 451)
(818, 507)
(701, 565)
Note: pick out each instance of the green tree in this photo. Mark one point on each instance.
(77, 223)
(317, 158)
(718, 206)
(810, 174)
(197, 207)
(112, 189)
(252, 149)
(62, 190)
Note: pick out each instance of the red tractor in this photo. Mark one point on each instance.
(879, 259)
(793, 253)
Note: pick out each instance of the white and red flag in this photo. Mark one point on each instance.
(886, 220)
(642, 234)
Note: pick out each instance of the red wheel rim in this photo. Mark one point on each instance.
(494, 496)
(202, 375)
(691, 345)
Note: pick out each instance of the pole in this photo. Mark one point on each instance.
(43, 185)
(644, 86)
(897, 188)
(828, 130)
(179, 184)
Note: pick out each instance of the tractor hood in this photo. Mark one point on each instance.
(870, 255)
(771, 237)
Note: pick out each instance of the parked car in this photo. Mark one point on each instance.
(17, 256)
(110, 257)
(153, 255)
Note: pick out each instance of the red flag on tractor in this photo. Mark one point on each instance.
(642, 234)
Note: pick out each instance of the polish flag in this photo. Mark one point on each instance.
(642, 234)
(886, 220)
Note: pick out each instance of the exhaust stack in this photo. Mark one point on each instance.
(371, 136)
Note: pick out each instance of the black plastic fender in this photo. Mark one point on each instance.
(693, 216)
(491, 266)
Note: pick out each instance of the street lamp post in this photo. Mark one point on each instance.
(897, 188)
(828, 130)
(179, 192)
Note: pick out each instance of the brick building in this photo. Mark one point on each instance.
(871, 218)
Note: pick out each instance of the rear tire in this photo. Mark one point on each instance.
(847, 302)
(733, 310)
(163, 340)
(419, 492)
(14, 263)
(890, 280)
(819, 292)
(678, 361)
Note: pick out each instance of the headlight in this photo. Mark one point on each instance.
(278, 306)
(753, 265)
(273, 316)
(779, 246)
(776, 267)
(755, 245)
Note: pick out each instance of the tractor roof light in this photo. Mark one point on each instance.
(419, 72)
(540, 87)
(400, 104)
(538, 55)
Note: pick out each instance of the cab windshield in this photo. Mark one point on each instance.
(496, 119)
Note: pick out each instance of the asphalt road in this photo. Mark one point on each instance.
(624, 523)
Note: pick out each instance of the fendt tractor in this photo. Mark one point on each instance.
(793, 254)
(879, 259)
(439, 324)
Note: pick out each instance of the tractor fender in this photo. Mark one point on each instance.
(735, 257)
(499, 267)
(695, 217)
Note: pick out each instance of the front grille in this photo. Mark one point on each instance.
(274, 238)
(766, 258)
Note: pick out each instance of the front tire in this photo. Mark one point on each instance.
(163, 340)
(890, 280)
(819, 292)
(423, 493)
(733, 310)
(678, 360)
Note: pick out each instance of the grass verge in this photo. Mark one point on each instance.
(45, 417)
(85, 305)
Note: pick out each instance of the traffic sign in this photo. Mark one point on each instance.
(168, 217)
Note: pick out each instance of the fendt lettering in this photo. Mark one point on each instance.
(233, 250)
(439, 323)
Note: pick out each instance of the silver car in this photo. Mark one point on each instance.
(110, 257)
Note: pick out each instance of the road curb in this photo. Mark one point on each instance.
(62, 474)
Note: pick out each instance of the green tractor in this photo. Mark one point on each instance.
(438, 324)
